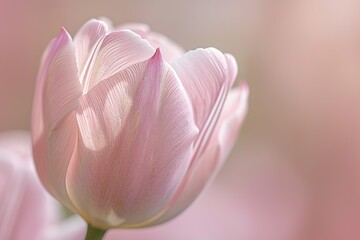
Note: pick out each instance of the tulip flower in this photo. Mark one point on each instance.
(27, 211)
(126, 128)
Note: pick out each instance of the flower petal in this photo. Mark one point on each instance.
(204, 72)
(114, 52)
(207, 75)
(219, 147)
(235, 110)
(85, 40)
(137, 129)
(169, 50)
(53, 126)
(24, 204)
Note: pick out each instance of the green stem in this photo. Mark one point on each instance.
(94, 233)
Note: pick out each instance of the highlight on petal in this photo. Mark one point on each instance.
(114, 52)
(86, 39)
(56, 96)
(145, 118)
(169, 49)
(232, 68)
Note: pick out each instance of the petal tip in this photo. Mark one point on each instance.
(157, 55)
(63, 34)
(105, 21)
(157, 59)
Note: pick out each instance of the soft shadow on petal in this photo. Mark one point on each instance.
(145, 118)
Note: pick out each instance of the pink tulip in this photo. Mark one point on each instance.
(127, 130)
(27, 211)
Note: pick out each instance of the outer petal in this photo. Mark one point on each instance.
(169, 50)
(85, 40)
(227, 130)
(204, 73)
(207, 75)
(136, 129)
(53, 123)
(220, 145)
(114, 52)
(25, 207)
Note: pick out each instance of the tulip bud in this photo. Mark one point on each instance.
(126, 128)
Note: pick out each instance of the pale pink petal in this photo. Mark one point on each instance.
(61, 88)
(114, 52)
(232, 69)
(85, 40)
(207, 75)
(204, 74)
(169, 50)
(53, 130)
(61, 150)
(136, 128)
(231, 119)
(220, 145)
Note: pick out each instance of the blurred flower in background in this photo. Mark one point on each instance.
(298, 157)
(27, 210)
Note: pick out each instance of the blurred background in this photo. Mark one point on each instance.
(295, 171)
